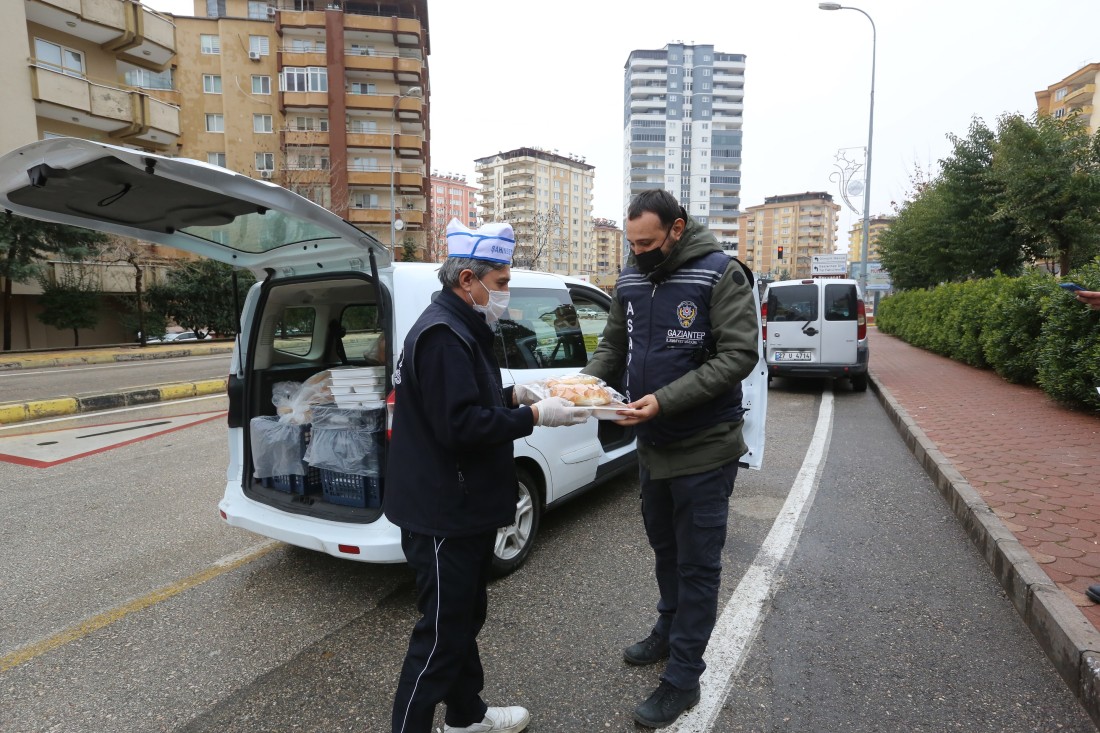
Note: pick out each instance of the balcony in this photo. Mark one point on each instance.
(408, 108)
(302, 58)
(1081, 95)
(382, 216)
(304, 100)
(130, 31)
(410, 183)
(293, 176)
(124, 113)
(404, 31)
(305, 137)
(407, 146)
(403, 69)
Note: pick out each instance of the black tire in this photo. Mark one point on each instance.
(514, 542)
(859, 382)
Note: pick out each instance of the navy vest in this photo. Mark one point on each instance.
(669, 334)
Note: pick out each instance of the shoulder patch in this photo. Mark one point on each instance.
(738, 277)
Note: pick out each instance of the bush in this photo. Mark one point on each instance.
(1069, 343)
(1010, 334)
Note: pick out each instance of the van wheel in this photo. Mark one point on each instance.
(859, 382)
(514, 542)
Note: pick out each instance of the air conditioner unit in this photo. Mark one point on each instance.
(265, 174)
(254, 55)
(270, 12)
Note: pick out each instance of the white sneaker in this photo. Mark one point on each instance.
(498, 720)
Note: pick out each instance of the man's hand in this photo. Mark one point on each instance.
(1089, 297)
(556, 412)
(524, 395)
(641, 411)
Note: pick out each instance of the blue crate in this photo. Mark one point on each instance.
(350, 490)
(295, 484)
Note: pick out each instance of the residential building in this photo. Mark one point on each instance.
(84, 70)
(327, 99)
(547, 198)
(780, 236)
(452, 198)
(1076, 94)
(875, 228)
(682, 131)
(610, 253)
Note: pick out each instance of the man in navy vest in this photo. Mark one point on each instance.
(681, 335)
(451, 480)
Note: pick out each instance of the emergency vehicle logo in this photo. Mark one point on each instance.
(686, 312)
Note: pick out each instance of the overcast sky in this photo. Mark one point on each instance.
(509, 73)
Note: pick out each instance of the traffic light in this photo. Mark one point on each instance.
(781, 251)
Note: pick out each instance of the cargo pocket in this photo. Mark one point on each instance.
(709, 535)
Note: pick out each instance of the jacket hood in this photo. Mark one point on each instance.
(696, 241)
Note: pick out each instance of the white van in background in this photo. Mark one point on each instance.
(816, 328)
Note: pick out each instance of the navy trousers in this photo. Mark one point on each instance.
(442, 663)
(685, 520)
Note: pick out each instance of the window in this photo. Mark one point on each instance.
(211, 84)
(215, 123)
(361, 87)
(261, 123)
(792, 303)
(261, 84)
(257, 9)
(216, 159)
(265, 161)
(149, 79)
(363, 338)
(840, 303)
(361, 200)
(361, 126)
(210, 44)
(304, 79)
(1061, 94)
(545, 329)
(259, 44)
(59, 58)
(293, 333)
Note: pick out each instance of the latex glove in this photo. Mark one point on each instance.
(556, 412)
(525, 395)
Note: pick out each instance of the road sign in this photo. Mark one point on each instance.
(831, 264)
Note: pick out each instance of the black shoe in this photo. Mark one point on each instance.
(1093, 593)
(665, 705)
(652, 649)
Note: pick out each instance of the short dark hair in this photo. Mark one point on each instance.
(453, 267)
(660, 202)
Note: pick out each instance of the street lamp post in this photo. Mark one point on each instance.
(413, 92)
(870, 136)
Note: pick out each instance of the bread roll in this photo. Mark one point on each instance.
(581, 393)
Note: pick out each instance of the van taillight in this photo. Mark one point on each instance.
(764, 321)
(861, 320)
(391, 402)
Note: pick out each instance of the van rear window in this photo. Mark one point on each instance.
(840, 302)
(792, 303)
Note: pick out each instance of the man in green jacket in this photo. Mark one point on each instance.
(681, 335)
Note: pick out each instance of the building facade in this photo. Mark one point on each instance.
(682, 116)
(329, 100)
(452, 198)
(780, 236)
(875, 228)
(547, 198)
(1074, 95)
(610, 253)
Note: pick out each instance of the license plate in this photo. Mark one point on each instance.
(793, 356)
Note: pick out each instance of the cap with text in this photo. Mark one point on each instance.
(492, 242)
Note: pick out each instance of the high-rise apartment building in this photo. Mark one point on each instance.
(1076, 94)
(547, 198)
(875, 227)
(682, 131)
(327, 99)
(780, 237)
(610, 254)
(452, 198)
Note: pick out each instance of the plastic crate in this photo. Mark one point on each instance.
(295, 484)
(350, 490)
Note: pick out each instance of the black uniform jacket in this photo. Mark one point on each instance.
(451, 467)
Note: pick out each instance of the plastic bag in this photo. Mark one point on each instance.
(355, 451)
(582, 390)
(332, 417)
(294, 401)
(278, 447)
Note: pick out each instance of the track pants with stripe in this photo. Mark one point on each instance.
(442, 663)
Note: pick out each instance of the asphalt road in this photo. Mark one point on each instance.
(34, 384)
(885, 618)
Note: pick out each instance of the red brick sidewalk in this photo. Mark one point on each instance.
(1035, 463)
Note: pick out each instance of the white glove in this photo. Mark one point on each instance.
(525, 395)
(556, 412)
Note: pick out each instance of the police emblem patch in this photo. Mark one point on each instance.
(686, 312)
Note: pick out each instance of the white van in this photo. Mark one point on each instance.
(816, 328)
(329, 296)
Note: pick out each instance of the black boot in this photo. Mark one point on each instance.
(652, 649)
(665, 705)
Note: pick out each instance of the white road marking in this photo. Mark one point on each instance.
(97, 413)
(744, 613)
(90, 367)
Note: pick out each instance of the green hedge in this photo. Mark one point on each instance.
(1025, 328)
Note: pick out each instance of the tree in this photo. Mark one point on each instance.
(409, 249)
(135, 254)
(26, 245)
(1049, 173)
(537, 241)
(69, 301)
(198, 295)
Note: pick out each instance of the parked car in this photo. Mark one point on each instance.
(313, 267)
(181, 336)
(816, 328)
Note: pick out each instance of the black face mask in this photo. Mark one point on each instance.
(650, 260)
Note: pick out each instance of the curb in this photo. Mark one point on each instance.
(1069, 639)
(37, 409)
(106, 356)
